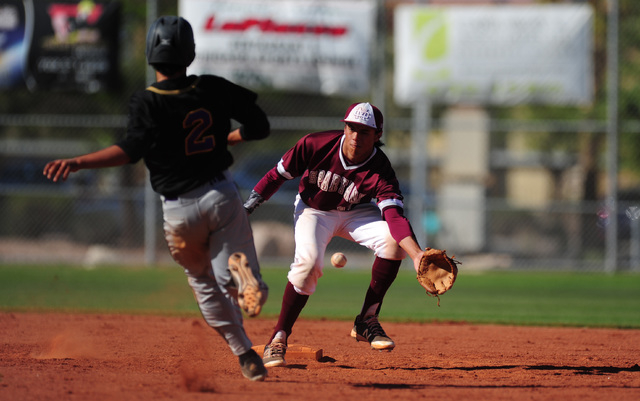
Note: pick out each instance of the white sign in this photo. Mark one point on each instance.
(494, 54)
(297, 45)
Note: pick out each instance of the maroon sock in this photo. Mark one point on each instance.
(292, 305)
(383, 274)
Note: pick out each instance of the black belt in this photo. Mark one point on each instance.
(217, 178)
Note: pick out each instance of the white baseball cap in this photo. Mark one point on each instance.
(364, 114)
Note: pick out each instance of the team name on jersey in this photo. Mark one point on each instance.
(331, 182)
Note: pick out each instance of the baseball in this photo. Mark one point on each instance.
(338, 259)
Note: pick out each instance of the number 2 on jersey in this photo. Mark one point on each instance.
(198, 121)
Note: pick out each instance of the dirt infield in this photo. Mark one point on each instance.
(114, 357)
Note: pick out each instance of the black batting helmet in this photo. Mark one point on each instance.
(170, 41)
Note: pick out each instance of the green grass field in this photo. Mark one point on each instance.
(498, 297)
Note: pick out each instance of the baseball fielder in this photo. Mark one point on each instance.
(342, 173)
(180, 126)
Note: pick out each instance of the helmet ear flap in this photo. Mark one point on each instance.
(190, 49)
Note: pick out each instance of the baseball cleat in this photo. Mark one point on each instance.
(369, 329)
(252, 293)
(252, 366)
(274, 354)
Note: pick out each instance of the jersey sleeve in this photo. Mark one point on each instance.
(399, 226)
(270, 183)
(391, 204)
(293, 164)
(255, 124)
(388, 189)
(139, 136)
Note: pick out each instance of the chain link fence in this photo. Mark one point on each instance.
(541, 201)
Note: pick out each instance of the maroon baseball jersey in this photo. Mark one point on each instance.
(328, 182)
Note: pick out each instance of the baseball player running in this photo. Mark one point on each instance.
(342, 173)
(180, 126)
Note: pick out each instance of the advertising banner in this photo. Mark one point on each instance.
(297, 45)
(59, 45)
(13, 48)
(500, 55)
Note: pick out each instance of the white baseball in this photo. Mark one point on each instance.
(338, 259)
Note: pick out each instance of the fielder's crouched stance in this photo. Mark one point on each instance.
(180, 126)
(342, 172)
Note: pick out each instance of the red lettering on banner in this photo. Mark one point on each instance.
(268, 25)
(208, 26)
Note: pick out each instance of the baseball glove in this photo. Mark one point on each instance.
(437, 272)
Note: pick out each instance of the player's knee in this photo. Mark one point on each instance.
(191, 259)
(388, 248)
(304, 277)
(303, 286)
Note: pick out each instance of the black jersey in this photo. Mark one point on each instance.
(180, 128)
